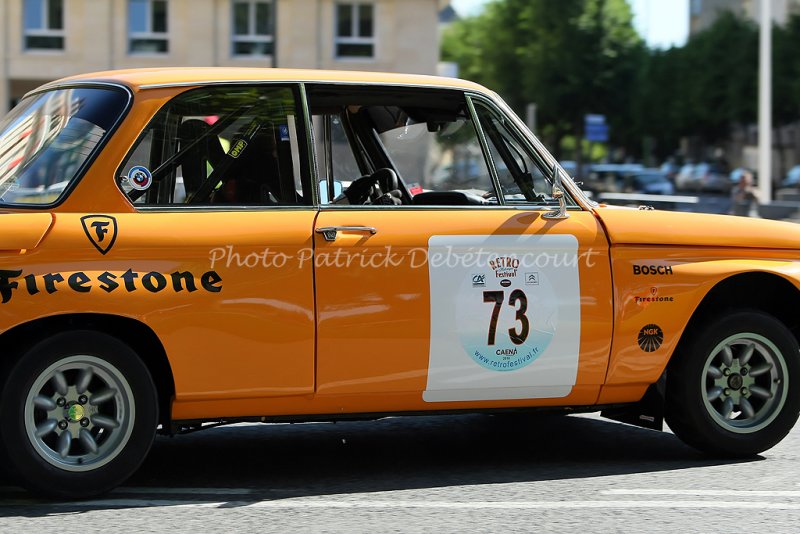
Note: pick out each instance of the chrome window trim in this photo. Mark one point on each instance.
(70, 84)
(309, 82)
(327, 136)
(487, 154)
(406, 207)
(219, 208)
(310, 148)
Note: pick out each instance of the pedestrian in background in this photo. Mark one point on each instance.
(743, 195)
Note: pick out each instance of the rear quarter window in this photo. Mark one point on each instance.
(46, 141)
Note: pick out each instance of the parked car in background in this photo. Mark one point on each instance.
(169, 263)
(685, 178)
(608, 177)
(649, 182)
(792, 177)
(670, 169)
(702, 177)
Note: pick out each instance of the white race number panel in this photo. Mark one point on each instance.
(505, 317)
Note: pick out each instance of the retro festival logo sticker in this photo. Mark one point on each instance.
(507, 319)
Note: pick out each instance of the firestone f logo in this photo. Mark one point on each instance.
(101, 231)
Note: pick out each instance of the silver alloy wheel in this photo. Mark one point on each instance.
(744, 383)
(79, 413)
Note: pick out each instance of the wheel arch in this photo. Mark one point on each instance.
(139, 336)
(764, 291)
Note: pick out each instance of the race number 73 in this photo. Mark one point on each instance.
(517, 296)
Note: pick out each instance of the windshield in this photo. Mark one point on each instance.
(45, 141)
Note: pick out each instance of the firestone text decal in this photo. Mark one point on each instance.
(15, 281)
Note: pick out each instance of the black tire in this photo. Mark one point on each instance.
(720, 405)
(102, 383)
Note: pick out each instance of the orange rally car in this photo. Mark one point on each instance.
(187, 246)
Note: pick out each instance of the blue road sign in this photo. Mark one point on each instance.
(595, 128)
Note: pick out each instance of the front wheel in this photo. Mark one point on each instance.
(79, 413)
(734, 388)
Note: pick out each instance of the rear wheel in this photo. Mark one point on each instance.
(734, 389)
(79, 410)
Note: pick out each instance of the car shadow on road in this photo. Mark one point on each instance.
(275, 462)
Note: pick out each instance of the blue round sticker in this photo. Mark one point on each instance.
(140, 178)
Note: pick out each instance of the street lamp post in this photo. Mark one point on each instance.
(765, 104)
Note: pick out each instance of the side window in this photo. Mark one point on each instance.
(521, 175)
(400, 146)
(220, 146)
(438, 155)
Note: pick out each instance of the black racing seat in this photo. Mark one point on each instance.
(206, 151)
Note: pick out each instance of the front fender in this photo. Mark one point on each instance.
(657, 291)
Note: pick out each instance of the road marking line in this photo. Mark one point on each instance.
(442, 505)
(704, 492)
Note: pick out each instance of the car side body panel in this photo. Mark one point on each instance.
(231, 327)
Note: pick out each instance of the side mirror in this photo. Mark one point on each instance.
(558, 194)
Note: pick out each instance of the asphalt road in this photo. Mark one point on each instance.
(475, 473)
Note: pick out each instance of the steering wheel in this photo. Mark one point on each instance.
(385, 181)
(371, 187)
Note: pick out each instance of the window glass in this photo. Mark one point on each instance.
(220, 146)
(46, 140)
(263, 18)
(33, 14)
(55, 14)
(147, 26)
(241, 11)
(365, 20)
(137, 15)
(344, 16)
(418, 146)
(159, 16)
(253, 28)
(522, 175)
(355, 30)
(43, 22)
(439, 155)
(345, 166)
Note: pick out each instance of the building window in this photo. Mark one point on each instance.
(147, 26)
(253, 27)
(44, 24)
(355, 30)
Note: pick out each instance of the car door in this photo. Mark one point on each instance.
(220, 180)
(455, 287)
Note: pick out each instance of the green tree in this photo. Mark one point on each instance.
(570, 57)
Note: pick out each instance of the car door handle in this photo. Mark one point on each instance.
(330, 232)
